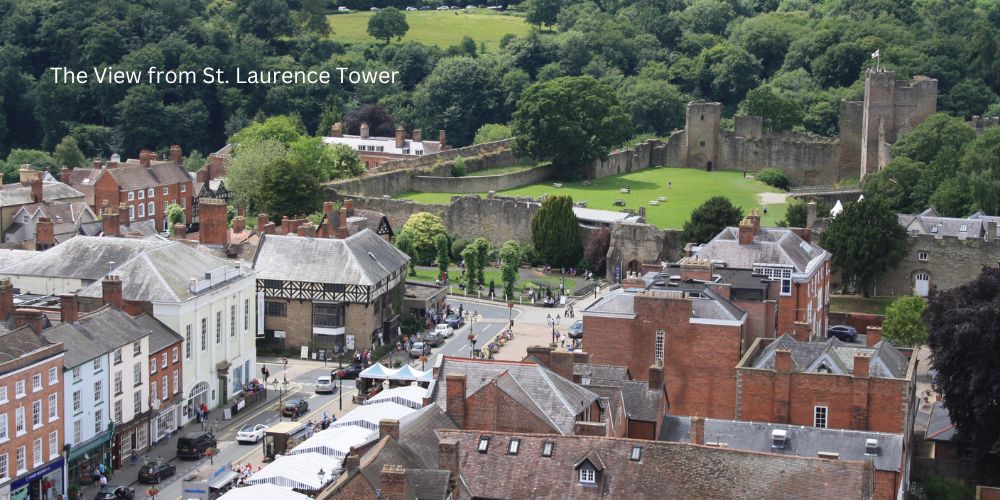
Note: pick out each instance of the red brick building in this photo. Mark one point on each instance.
(827, 384)
(514, 396)
(801, 268)
(166, 378)
(31, 409)
(144, 186)
(375, 151)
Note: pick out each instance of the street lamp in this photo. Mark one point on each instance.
(281, 394)
(321, 474)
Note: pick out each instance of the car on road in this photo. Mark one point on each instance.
(420, 349)
(410, 9)
(194, 444)
(433, 340)
(445, 330)
(156, 471)
(576, 329)
(115, 493)
(350, 371)
(251, 433)
(455, 321)
(295, 408)
(845, 333)
(324, 384)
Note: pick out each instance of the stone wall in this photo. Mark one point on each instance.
(806, 160)
(446, 155)
(643, 155)
(639, 243)
(950, 262)
(481, 184)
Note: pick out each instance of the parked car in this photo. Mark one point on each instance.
(351, 371)
(156, 471)
(444, 330)
(411, 9)
(576, 329)
(324, 384)
(433, 340)
(251, 433)
(115, 493)
(194, 444)
(420, 349)
(843, 332)
(295, 408)
(343, 9)
(455, 321)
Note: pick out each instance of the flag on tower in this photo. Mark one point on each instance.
(875, 54)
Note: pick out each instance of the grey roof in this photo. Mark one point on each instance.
(940, 426)
(602, 216)
(9, 257)
(427, 484)
(363, 258)
(97, 333)
(385, 452)
(771, 246)
(161, 336)
(800, 440)
(19, 194)
(705, 304)
(416, 433)
(617, 302)
(641, 403)
(19, 342)
(164, 273)
(83, 257)
(142, 228)
(600, 375)
(60, 211)
(545, 394)
(130, 177)
(835, 356)
(928, 222)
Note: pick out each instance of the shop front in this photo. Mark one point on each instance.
(85, 458)
(43, 483)
(164, 422)
(131, 438)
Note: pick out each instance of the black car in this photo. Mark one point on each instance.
(115, 493)
(194, 444)
(455, 321)
(433, 340)
(576, 329)
(156, 471)
(295, 408)
(843, 332)
(350, 372)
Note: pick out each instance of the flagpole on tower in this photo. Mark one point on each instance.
(877, 56)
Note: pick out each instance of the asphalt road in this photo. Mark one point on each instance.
(492, 319)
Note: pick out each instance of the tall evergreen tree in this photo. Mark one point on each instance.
(441, 243)
(555, 232)
(866, 240)
(710, 218)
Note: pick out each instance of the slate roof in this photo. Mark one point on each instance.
(427, 484)
(139, 228)
(641, 403)
(705, 305)
(83, 257)
(885, 360)
(800, 440)
(388, 144)
(98, 333)
(130, 177)
(939, 426)
(163, 273)
(161, 336)
(600, 375)
(416, 433)
(363, 258)
(19, 342)
(771, 246)
(928, 222)
(18, 194)
(545, 394)
(59, 212)
(9, 257)
(665, 470)
(385, 452)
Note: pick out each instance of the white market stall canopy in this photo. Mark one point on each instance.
(378, 371)
(336, 441)
(264, 490)
(368, 416)
(410, 395)
(297, 471)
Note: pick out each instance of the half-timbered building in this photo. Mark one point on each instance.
(329, 294)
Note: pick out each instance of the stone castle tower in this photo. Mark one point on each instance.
(891, 108)
(703, 123)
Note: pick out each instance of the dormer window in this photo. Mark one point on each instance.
(871, 447)
(934, 229)
(778, 437)
(963, 228)
(588, 476)
(636, 454)
(547, 448)
(514, 445)
(484, 444)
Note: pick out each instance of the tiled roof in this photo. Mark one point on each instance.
(59, 212)
(600, 375)
(705, 304)
(363, 258)
(83, 257)
(416, 433)
(800, 440)
(164, 273)
(9, 257)
(835, 356)
(19, 342)
(139, 228)
(98, 333)
(19, 194)
(952, 227)
(130, 177)
(641, 403)
(427, 484)
(161, 336)
(940, 426)
(665, 470)
(385, 452)
(771, 246)
(544, 393)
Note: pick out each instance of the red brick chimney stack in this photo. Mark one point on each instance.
(746, 231)
(144, 157)
(400, 137)
(697, 430)
(349, 205)
(388, 427)
(448, 460)
(441, 138)
(176, 154)
(69, 308)
(6, 298)
(36, 188)
(782, 360)
(862, 362)
(110, 223)
(45, 234)
(213, 228)
(65, 175)
(418, 135)
(364, 130)
(455, 394)
(874, 335)
(123, 216)
(656, 376)
(31, 317)
(393, 483)
(239, 224)
(337, 130)
(111, 291)
(180, 231)
(342, 227)
(96, 163)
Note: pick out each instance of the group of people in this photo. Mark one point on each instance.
(244, 472)
(364, 358)
(568, 312)
(100, 475)
(322, 425)
(201, 412)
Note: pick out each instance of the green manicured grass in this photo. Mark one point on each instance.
(441, 28)
(859, 304)
(428, 274)
(685, 189)
(499, 170)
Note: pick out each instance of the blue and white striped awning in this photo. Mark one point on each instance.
(411, 396)
(299, 471)
(265, 490)
(336, 441)
(368, 416)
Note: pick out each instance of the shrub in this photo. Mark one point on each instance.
(458, 167)
(773, 177)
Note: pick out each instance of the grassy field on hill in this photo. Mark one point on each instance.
(442, 28)
(684, 188)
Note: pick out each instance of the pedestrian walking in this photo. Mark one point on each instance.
(104, 482)
(557, 319)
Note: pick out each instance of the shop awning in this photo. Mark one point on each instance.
(258, 491)
(77, 451)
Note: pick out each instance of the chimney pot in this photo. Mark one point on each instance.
(874, 335)
(400, 137)
(31, 317)
(364, 130)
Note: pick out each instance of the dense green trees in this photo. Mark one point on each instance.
(866, 241)
(387, 24)
(68, 154)
(780, 112)
(904, 324)
(555, 232)
(420, 231)
(710, 218)
(571, 121)
(510, 262)
(492, 132)
(443, 256)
